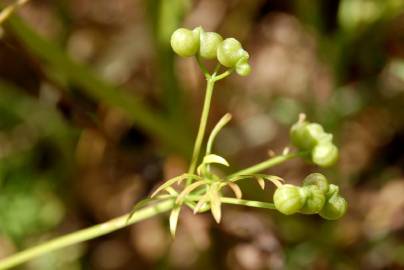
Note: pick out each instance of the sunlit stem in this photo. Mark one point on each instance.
(223, 75)
(267, 164)
(202, 67)
(249, 203)
(235, 201)
(202, 126)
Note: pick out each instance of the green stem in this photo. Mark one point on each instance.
(235, 201)
(249, 203)
(86, 234)
(202, 67)
(267, 164)
(121, 222)
(223, 75)
(202, 125)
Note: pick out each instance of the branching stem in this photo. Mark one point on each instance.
(144, 213)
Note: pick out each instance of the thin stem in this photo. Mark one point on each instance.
(202, 126)
(249, 203)
(223, 75)
(235, 201)
(217, 68)
(86, 234)
(267, 164)
(202, 67)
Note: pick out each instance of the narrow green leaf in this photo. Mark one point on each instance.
(212, 158)
(219, 126)
(215, 205)
(174, 215)
(172, 181)
(201, 203)
(261, 182)
(200, 169)
(171, 191)
(188, 189)
(236, 190)
(276, 180)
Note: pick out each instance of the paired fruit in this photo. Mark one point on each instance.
(312, 137)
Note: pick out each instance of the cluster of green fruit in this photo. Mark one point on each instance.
(312, 137)
(316, 196)
(210, 45)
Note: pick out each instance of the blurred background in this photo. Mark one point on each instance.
(95, 111)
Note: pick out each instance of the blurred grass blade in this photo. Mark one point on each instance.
(8, 10)
(165, 17)
(102, 91)
(45, 119)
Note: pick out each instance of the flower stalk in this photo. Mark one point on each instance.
(202, 125)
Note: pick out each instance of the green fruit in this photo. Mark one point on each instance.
(332, 190)
(208, 44)
(289, 199)
(185, 42)
(334, 208)
(306, 135)
(325, 154)
(315, 200)
(317, 179)
(229, 52)
(243, 68)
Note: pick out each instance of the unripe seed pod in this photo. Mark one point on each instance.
(289, 199)
(306, 135)
(208, 44)
(229, 52)
(325, 154)
(332, 190)
(317, 179)
(334, 208)
(242, 67)
(315, 200)
(185, 42)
